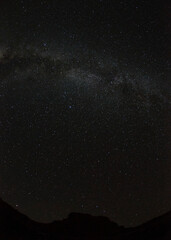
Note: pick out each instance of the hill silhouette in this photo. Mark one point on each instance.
(16, 226)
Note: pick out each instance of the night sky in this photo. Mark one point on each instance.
(84, 108)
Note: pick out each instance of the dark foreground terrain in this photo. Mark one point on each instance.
(16, 226)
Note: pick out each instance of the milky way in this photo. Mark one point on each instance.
(82, 129)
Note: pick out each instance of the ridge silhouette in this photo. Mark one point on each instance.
(16, 226)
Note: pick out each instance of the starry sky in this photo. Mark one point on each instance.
(84, 108)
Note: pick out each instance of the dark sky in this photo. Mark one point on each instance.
(84, 108)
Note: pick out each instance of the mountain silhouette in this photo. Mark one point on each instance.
(16, 226)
